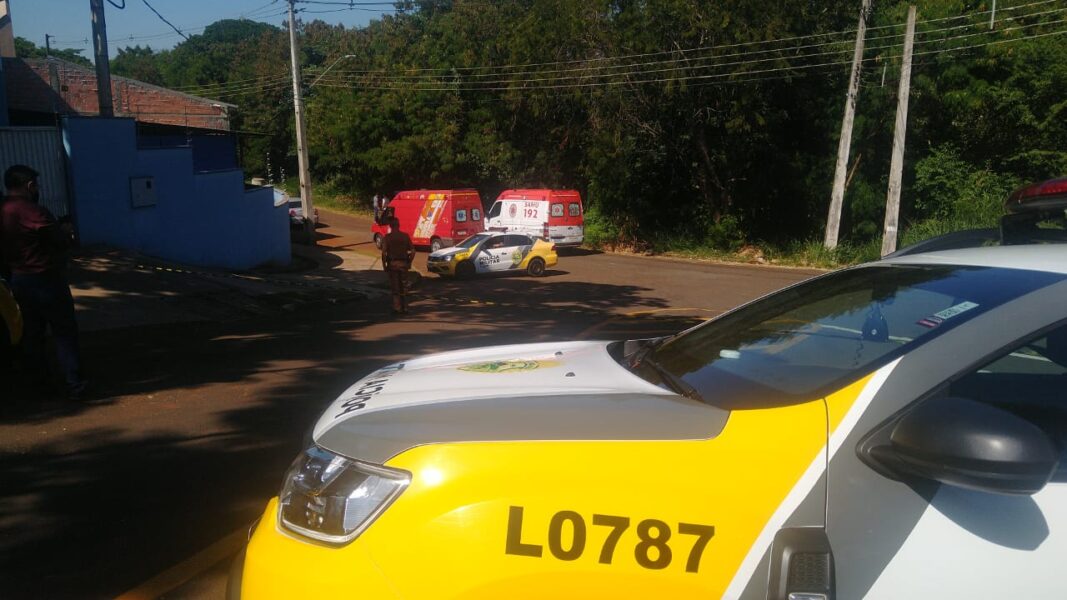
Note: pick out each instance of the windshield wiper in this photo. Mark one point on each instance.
(639, 356)
(674, 382)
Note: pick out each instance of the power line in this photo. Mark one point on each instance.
(681, 78)
(713, 47)
(164, 19)
(673, 64)
(638, 70)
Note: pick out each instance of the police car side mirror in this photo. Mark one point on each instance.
(970, 444)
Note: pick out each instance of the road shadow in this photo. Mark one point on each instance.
(576, 251)
(202, 418)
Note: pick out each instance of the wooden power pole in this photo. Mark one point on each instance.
(833, 220)
(896, 165)
(306, 204)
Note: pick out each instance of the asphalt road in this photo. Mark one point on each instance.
(146, 492)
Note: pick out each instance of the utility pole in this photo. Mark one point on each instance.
(896, 165)
(103, 68)
(301, 132)
(47, 46)
(833, 219)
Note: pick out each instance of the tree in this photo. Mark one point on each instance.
(139, 63)
(26, 49)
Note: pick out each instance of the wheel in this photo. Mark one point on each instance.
(435, 244)
(378, 240)
(465, 270)
(536, 268)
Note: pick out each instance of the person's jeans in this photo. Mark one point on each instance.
(46, 301)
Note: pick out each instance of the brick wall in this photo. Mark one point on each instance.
(30, 87)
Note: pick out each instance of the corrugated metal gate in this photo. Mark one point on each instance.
(40, 148)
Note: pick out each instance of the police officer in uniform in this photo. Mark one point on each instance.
(397, 254)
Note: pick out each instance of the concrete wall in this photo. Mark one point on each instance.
(206, 219)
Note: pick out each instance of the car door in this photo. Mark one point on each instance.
(515, 248)
(906, 520)
(490, 256)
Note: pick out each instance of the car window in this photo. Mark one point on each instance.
(516, 240)
(476, 214)
(295, 203)
(814, 338)
(575, 209)
(494, 210)
(1029, 379)
(472, 241)
(461, 215)
(557, 210)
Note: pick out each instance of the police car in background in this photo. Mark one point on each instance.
(494, 252)
(893, 430)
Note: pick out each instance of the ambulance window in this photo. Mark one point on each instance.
(557, 210)
(494, 211)
(476, 214)
(461, 215)
(575, 209)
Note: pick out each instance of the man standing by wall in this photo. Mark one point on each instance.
(397, 254)
(35, 250)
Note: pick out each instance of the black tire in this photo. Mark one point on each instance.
(536, 267)
(435, 244)
(378, 240)
(465, 270)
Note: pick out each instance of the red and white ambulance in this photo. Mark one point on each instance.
(434, 218)
(555, 215)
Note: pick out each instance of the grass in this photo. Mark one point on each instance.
(598, 235)
(324, 195)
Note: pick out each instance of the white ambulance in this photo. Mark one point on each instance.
(555, 215)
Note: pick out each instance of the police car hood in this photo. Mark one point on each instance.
(552, 391)
(443, 252)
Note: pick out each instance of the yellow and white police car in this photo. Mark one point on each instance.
(894, 430)
(494, 252)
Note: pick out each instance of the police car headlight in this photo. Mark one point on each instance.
(333, 499)
(447, 258)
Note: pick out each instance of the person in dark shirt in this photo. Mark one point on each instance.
(397, 254)
(35, 251)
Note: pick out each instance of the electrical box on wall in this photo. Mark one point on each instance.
(142, 191)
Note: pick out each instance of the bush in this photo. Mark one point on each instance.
(726, 235)
(600, 231)
(949, 188)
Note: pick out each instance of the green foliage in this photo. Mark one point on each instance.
(600, 231)
(139, 63)
(26, 49)
(681, 156)
(948, 188)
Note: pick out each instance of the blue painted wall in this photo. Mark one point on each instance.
(206, 219)
(211, 152)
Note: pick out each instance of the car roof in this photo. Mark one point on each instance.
(1051, 258)
(499, 233)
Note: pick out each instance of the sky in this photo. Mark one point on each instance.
(69, 21)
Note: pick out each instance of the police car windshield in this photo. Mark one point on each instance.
(473, 241)
(814, 338)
